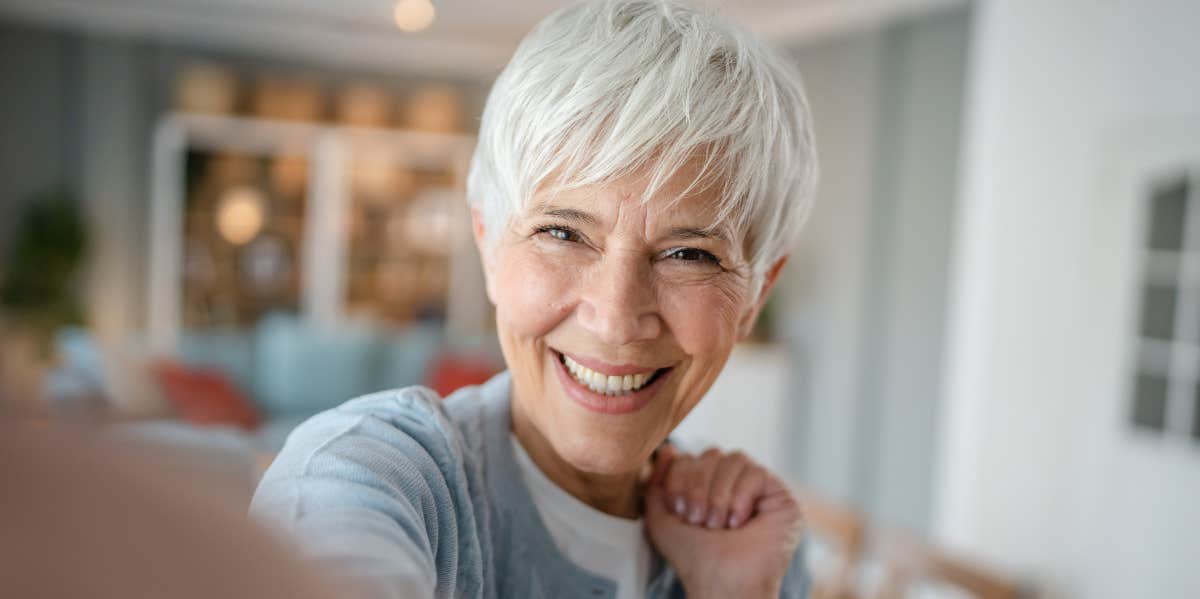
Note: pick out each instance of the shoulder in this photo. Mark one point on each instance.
(407, 439)
(394, 418)
(409, 426)
(381, 488)
(368, 451)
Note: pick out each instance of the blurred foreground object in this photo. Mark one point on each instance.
(85, 518)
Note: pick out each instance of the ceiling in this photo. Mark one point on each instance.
(472, 38)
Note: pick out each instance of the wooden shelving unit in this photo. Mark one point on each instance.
(373, 225)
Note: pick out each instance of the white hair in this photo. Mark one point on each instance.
(608, 88)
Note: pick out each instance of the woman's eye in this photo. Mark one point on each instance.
(560, 233)
(692, 255)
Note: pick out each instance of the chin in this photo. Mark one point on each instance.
(589, 452)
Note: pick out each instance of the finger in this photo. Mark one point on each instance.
(665, 529)
(776, 502)
(779, 510)
(675, 482)
(775, 496)
(698, 484)
(720, 494)
(749, 488)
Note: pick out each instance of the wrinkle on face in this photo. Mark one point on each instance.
(597, 298)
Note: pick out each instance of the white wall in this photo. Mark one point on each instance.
(863, 298)
(1040, 473)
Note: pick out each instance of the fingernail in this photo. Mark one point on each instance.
(714, 521)
(733, 521)
(680, 507)
(697, 515)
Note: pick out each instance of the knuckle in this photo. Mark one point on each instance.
(757, 473)
(747, 484)
(721, 501)
(674, 481)
(704, 471)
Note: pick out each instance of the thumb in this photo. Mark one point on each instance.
(658, 516)
(662, 463)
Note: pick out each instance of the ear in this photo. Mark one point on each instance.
(747, 323)
(479, 229)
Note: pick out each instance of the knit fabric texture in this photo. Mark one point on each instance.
(399, 494)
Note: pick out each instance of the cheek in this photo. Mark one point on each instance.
(704, 318)
(533, 294)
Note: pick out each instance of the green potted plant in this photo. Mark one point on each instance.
(38, 292)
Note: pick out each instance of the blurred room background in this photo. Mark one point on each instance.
(218, 217)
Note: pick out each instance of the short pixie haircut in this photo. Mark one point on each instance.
(607, 88)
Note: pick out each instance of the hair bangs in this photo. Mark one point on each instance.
(652, 88)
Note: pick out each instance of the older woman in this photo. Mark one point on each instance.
(641, 170)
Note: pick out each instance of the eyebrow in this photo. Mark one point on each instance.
(690, 233)
(579, 216)
(570, 214)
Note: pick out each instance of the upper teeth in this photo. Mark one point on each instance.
(606, 384)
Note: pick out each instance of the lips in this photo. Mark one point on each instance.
(607, 384)
(605, 388)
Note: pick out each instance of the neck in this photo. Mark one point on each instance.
(613, 494)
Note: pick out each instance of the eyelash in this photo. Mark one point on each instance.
(549, 229)
(703, 256)
(570, 235)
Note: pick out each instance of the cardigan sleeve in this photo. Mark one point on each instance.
(796, 581)
(374, 492)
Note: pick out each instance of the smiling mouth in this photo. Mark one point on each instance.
(609, 385)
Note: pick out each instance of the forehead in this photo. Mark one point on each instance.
(687, 197)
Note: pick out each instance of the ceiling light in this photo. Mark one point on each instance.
(241, 213)
(413, 15)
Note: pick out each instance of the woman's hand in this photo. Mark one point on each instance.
(728, 527)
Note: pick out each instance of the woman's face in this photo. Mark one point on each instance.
(615, 316)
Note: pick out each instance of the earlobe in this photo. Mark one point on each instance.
(479, 232)
(768, 284)
(478, 229)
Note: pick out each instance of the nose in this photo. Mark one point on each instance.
(618, 304)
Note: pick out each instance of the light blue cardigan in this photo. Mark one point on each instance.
(409, 496)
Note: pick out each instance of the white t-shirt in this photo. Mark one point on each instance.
(612, 547)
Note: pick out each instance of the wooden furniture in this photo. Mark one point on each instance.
(908, 561)
(844, 530)
(905, 562)
(367, 221)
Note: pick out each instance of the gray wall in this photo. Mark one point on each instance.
(117, 105)
(866, 291)
(77, 114)
(822, 293)
(33, 150)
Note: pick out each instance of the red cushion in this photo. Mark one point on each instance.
(448, 372)
(204, 397)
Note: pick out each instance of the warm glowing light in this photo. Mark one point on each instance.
(414, 15)
(240, 214)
